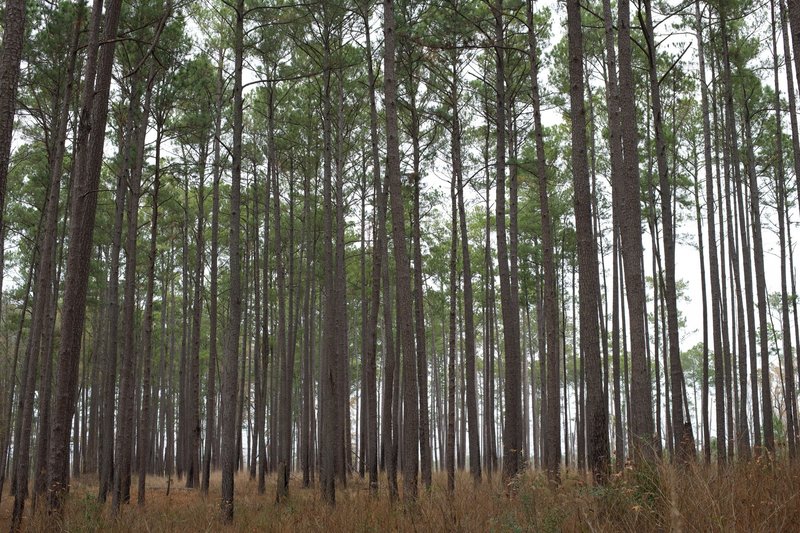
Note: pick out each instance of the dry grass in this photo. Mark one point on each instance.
(749, 497)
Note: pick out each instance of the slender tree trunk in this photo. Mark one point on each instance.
(683, 440)
(86, 177)
(795, 141)
(194, 433)
(617, 167)
(780, 192)
(11, 397)
(22, 438)
(306, 435)
(469, 318)
(512, 449)
(230, 363)
(126, 413)
(45, 297)
(794, 20)
(794, 303)
(716, 319)
(10, 56)
(211, 381)
(419, 308)
(761, 287)
(419, 326)
(112, 341)
(489, 343)
(328, 410)
(182, 451)
(282, 353)
(727, 356)
(378, 248)
(733, 149)
(343, 455)
(451, 366)
(388, 430)
(629, 207)
(403, 287)
(147, 341)
(597, 415)
(552, 448)
(362, 396)
(701, 248)
(790, 81)
(462, 418)
(265, 327)
(170, 404)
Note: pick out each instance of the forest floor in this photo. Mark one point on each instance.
(749, 497)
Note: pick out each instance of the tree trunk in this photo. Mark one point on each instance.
(419, 309)
(552, 444)
(617, 167)
(761, 284)
(193, 448)
(683, 440)
(388, 433)
(265, 344)
(403, 284)
(306, 435)
(597, 415)
(86, 177)
(469, 318)
(379, 245)
(211, 380)
(512, 449)
(126, 418)
(182, 450)
(630, 216)
(490, 307)
(790, 81)
(362, 396)
(230, 363)
(343, 449)
(712, 242)
(44, 301)
(147, 341)
(450, 454)
(282, 352)
(112, 340)
(780, 192)
(327, 379)
(10, 56)
(794, 20)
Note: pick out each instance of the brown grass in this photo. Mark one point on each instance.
(748, 497)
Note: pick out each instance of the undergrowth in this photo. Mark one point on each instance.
(747, 497)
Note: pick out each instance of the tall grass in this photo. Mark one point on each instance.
(745, 497)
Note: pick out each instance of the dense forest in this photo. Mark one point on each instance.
(411, 247)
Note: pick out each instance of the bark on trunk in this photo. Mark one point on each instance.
(211, 382)
(327, 379)
(682, 437)
(86, 177)
(630, 217)
(410, 461)
(10, 56)
(230, 363)
(466, 263)
(597, 414)
(450, 453)
(379, 245)
(147, 341)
